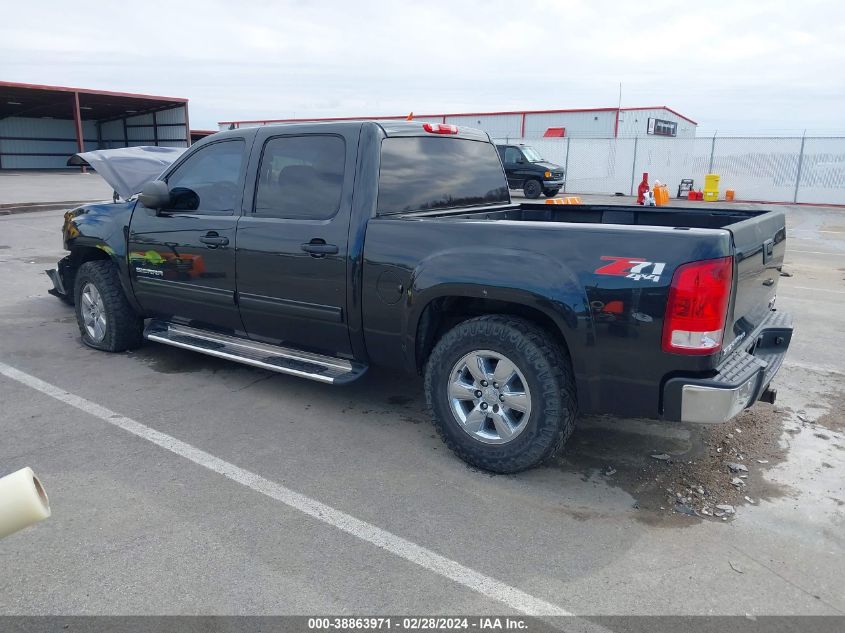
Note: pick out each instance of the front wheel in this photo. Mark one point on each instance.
(501, 393)
(532, 189)
(550, 193)
(106, 320)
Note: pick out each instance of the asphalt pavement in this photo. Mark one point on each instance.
(184, 484)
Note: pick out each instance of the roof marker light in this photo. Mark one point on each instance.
(440, 128)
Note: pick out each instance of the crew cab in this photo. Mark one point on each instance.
(525, 169)
(321, 249)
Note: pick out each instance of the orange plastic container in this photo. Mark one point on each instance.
(661, 195)
(729, 194)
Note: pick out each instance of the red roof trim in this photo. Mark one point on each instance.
(432, 116)
(668, 109)
(334, 118)
(107, 93)
(520, 112)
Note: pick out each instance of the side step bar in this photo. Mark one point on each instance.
(334, 371)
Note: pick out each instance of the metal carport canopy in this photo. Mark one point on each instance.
(32, 101)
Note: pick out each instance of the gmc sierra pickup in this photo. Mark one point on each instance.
(320, 249)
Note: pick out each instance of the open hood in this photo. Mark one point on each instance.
(128, 169)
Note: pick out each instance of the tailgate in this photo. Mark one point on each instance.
(760, 245)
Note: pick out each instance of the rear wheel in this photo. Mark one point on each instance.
(532, 189)
(500, 393)
(550, 193)
(105, 318)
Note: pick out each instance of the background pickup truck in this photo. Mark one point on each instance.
(318, 250)
(525, 169)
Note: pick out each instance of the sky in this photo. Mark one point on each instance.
(740, 67)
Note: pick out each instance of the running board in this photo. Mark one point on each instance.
(334, 371)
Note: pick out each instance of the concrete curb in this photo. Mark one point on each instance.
(31, 207)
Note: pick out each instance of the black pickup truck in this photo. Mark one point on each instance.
(320, 249)
(525, 169)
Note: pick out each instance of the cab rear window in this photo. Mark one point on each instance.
(429, 173)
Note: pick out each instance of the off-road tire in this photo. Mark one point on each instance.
(548, 371)
(532, 188)
(123, 325)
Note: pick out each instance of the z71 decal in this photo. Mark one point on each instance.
(632, 268)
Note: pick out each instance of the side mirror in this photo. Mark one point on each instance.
(155, 195)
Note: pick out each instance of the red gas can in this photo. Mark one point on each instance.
(642, 188)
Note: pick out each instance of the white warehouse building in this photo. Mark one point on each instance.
(573, 123)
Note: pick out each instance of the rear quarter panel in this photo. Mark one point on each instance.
(612, 323)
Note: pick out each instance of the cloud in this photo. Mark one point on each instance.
(733, 66)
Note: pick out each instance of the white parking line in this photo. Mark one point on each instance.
(31, 228)
(822, 290)
(793, 250)
(476, 581)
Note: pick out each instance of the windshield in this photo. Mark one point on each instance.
(531, 154)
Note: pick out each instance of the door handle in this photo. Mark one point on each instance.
(213, 240)
(319, 248)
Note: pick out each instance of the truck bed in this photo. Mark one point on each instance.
(553, 258)
(682, 217)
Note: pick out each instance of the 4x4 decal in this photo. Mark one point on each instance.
(631, 268)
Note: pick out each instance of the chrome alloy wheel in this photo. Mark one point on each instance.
(489, 397)
(93, 312)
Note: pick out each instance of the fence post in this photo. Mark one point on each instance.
(634, 165)
(712, 151)
(566, 165)
(800, 165)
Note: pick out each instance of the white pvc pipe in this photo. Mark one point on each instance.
(22, 501)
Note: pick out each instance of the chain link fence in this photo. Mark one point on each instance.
(771, 169)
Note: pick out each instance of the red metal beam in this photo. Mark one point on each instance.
(77, 122)
(616, 125)
(187, 126)
(522, 130)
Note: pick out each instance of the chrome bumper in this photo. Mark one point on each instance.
(742, 379)
(711, 405)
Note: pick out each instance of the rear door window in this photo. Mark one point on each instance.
(301, 177)
(428, 173)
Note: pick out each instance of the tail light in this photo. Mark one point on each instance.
(440, 128)
(698, 307)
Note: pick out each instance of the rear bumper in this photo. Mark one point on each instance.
(743, 378)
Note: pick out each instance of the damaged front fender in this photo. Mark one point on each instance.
(92, 232)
